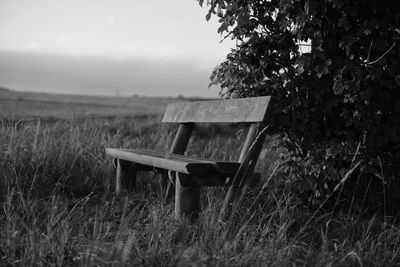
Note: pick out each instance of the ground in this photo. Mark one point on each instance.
(59, 208)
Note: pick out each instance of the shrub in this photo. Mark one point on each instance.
(337, 105)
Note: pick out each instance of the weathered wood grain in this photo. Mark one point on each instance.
(253, 109)
(174, 162)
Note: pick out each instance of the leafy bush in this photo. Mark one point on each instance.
(338, 105)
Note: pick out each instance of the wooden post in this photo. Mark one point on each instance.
(248, 159)
(181, 139)
(187, 199)
(126, 175)
(118, 178)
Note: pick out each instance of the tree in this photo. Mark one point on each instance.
(339, 104)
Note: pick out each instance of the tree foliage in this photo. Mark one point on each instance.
(338, 104)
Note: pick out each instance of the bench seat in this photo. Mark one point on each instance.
(201, 172)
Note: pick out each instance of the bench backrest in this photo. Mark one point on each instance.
(253, 109)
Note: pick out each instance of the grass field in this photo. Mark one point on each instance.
(58, 206)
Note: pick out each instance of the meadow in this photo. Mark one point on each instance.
(58, 206)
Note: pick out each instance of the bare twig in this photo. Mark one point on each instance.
(356, 154)
(369, 50)
(384, 54)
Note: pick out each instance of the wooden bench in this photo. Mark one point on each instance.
(190, 172)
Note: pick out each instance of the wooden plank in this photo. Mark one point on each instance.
(252, 109)
(173, 162)
(160, 154)
(206, 179)
(151, 160)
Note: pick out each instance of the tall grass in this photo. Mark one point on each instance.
(58, 207)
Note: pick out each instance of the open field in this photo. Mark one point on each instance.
(58, 207)
(42, 105)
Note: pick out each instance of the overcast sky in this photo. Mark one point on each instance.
(128, 47)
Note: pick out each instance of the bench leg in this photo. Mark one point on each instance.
(187, 199)
(126, 175)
